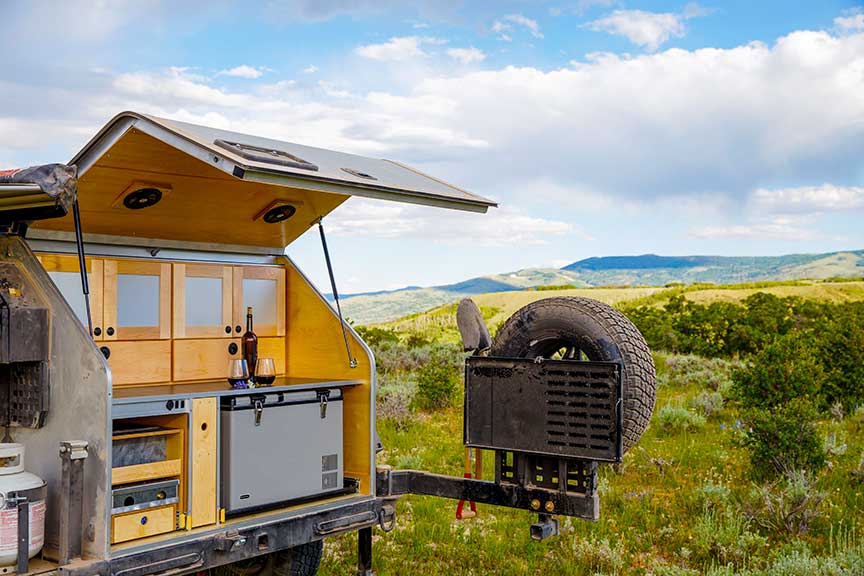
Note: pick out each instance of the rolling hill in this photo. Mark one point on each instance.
(643, 270)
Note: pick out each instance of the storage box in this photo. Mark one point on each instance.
(280, 446)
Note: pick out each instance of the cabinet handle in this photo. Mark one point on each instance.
(227, 329)
(232, 348)
(105, 351)
(238, 328)
(97, 331)
(110, 331)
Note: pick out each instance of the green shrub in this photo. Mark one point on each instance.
(789, 505)
(437, 382)
(841, 348)
(707, 403)
(783, 439)
(678, 419)
(713, 496)
(724, 538)
(787, 369)
(375, 337)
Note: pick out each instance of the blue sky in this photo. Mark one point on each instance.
(602, 127)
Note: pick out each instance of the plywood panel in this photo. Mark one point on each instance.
(203, 483)
(205, 204)
(273, 348)
(139, 361)
(317, 350)
(204, 359)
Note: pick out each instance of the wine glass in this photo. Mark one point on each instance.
(265, 372)
(238, 373)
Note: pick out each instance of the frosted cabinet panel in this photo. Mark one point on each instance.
(69, 284)
(261, 296)
(203, 301)
(137, 300)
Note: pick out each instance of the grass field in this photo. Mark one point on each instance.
(681, 503)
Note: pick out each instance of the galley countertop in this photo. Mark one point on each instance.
(211, 388)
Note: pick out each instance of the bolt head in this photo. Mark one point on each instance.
(549, 506)
(535, 504)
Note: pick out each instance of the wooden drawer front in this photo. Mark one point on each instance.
(203, 359)
(205, 411)
(273, 348)
(142, 524)
(139, 362)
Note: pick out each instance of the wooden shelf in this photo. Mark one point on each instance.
(144, 472)
(164, 432)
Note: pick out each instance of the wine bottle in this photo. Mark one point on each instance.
(250, 345)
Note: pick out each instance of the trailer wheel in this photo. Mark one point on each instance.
(299, 561)
(571, 328)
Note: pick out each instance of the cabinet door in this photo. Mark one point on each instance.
(262, 288)
(137, 300)
(66, 274)
(202, 301)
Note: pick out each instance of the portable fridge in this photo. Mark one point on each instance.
(280, 446)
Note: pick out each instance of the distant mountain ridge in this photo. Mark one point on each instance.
(641, 270)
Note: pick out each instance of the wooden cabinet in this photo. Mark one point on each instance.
(210, 300)
(136, 300)
(203, 305)
(66, 274)
(262, 288)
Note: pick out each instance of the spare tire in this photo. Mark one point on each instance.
(569, 327)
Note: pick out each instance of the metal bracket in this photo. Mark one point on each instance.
(73, 454)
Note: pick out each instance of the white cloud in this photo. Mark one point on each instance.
(399, 48)
(774, 229)
(852, 21)
(244, 71)
(504, 26)
(711, 122)
(808, 199)
(648, 30)
(470, 55)
(500, 227)
(311, 69)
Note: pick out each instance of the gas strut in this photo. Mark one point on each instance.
(351, 360)
(85, 285)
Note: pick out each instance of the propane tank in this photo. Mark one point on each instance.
(18, 485)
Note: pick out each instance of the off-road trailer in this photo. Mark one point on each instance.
(120, 398)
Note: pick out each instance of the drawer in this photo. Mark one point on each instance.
(139, 362)
(136, 525)
(203, 359)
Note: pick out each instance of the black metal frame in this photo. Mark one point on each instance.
(557, 408)
(234, 545)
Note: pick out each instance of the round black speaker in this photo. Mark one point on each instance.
(142, 198)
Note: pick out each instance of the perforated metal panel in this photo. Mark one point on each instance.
(555, 407)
